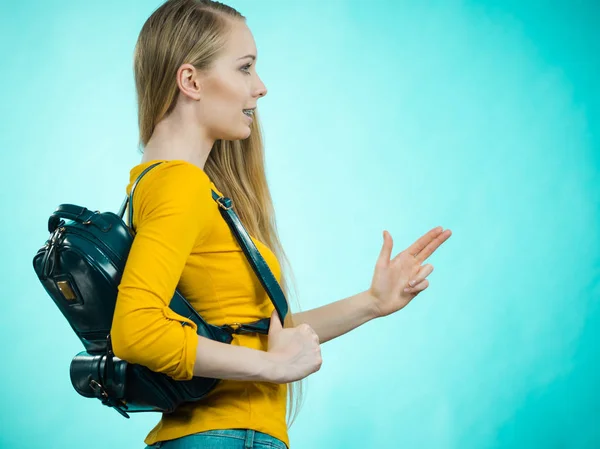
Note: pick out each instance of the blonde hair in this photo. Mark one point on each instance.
(194, 32)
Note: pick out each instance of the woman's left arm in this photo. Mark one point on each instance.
(395, 283)
(335, 319)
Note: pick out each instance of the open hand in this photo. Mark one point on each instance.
(390, 288)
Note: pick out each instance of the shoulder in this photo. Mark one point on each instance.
(173, 174)
(172, 184)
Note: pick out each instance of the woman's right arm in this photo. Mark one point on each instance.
(173, 212)
(224, 361)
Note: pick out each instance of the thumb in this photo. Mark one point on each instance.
(386, 249)
(275, 325)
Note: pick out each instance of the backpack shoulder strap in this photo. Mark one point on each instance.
(257, 262)
(129, 198)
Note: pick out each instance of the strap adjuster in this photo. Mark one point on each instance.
(224, 202)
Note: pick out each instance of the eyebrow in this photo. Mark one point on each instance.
(248, 56)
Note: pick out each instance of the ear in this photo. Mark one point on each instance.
(188, 81)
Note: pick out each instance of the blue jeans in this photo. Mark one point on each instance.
(223, 439)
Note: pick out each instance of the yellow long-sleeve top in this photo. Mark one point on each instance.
(183, 242)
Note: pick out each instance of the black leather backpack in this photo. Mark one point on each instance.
(80, 267)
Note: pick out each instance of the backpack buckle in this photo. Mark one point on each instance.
(232, 328)
(101, 394)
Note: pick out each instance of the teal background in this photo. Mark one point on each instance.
(482, 117)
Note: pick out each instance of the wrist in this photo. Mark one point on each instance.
(272, 368)
(370, 305)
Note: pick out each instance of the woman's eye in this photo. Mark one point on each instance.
(246, 69)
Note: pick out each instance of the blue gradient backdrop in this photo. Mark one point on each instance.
(482, 117)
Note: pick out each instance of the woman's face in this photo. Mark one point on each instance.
(231, 86)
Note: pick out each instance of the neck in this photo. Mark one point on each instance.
(178, 137)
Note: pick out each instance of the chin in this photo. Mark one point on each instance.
(245, 134)
(241, 135)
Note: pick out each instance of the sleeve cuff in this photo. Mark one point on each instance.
(185, 368)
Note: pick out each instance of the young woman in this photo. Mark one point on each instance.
(197, 90)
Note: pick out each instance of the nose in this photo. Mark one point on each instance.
(261, 88)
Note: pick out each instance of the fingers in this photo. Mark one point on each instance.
(418, 287)
(423, 241)
(309, 330)
(423, 272)
(386, 249)
(428, 243)
(417, 283)
(432, 246)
